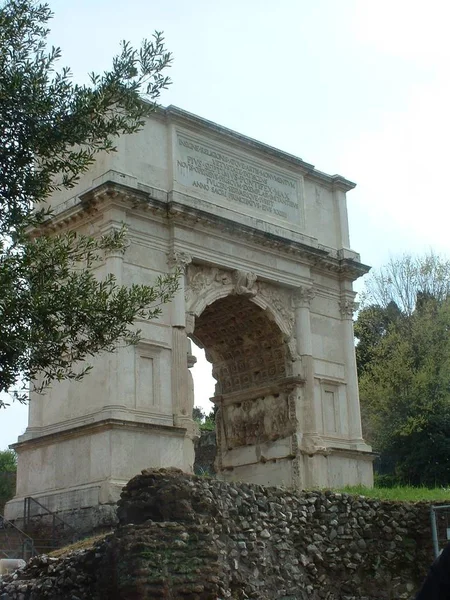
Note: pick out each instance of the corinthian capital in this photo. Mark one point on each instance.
(348, 307)
(303, 296)
(178, 259)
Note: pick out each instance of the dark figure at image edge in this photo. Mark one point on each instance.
(437, 583)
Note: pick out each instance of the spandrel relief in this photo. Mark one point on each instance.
(203, 281)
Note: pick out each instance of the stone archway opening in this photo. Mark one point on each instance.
(204, 411)
(253, 391)
(204, 383)
(244, 345)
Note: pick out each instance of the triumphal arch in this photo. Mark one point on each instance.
(262, 240)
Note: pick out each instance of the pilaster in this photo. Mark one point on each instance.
(182, 397)
(179, 261)
(347, 307)
(310, 440)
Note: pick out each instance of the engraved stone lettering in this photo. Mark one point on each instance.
(231, 177)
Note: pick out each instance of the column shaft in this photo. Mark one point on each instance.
(354, 411)
(302, 301)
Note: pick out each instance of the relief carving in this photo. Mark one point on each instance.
(257, 421)
(291, 344)
(201, 279)
(178, 259)
(348, 308)
(244, 283)
(292, 406)
(312, 444)
(281, 301)
(296, 479)
(303, 296)
(295, 456)
(190, 323)
(222, 277)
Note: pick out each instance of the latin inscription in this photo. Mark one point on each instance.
(229, 176)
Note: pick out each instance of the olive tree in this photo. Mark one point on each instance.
(54, 315)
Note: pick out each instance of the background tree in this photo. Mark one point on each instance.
(402, 279)
(404, 372)
(370, 328)
(205, 422)
(8, 468)
(52, 313)
(198, 414)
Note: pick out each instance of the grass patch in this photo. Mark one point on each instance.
(405, 493)
(85, 544)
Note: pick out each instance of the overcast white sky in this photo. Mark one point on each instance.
(355, 87)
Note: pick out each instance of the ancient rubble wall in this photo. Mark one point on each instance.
(196, 538)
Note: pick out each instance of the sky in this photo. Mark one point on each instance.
(355, 87)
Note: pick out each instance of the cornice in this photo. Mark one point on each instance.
(92, 428)
(92, 202)
(353, 453)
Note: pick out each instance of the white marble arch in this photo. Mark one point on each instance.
(257, 231)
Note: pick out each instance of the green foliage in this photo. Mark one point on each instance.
(8, 466)
(206, 422)
(404, 382)
(209, 423)
(8, 461)
(54, 312)
(198, 414)
(204, 472)
(405, 493)
(51, 128)
(385, 480)
(372, 324)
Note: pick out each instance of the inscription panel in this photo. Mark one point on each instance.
(229, 178)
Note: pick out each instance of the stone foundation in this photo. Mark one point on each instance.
(194, 538)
